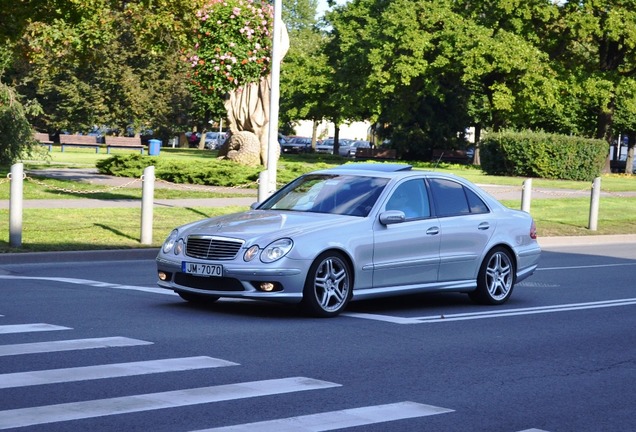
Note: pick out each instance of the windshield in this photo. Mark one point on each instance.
(335, 194)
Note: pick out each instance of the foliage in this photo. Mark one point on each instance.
(423, 71)
(428, 72)
(213, 172)
(16, 135)
(599, 43)
(102, 62)
(542, 155)
(233, 45)
(304, 77)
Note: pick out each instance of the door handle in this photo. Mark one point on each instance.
(483, 226)
(432, 231)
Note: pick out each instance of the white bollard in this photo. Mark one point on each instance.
(526, 195)
(263, 185)
(16, 205)
(147, 202)
(594, 204)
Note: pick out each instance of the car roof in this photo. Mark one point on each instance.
(385, 170)
(398, 171)
(381, 167)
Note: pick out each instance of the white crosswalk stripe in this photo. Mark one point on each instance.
(334, 420)
(69, 345)
(152, 401)
(51, 376)
(26, 328)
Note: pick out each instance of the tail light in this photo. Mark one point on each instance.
(533, 231)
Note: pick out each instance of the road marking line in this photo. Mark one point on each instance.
(339, 419)
(153, 401)
(115, 370)
(533, 430)
(69, 345)
(92, 283)
(385, 318)
(494, 313)
(587, 267)
(27, 328)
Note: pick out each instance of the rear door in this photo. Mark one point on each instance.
(466, 227)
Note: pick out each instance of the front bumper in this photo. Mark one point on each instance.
(238, 281)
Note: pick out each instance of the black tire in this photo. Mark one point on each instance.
(197, 298)
(328, 287)
(496, 278)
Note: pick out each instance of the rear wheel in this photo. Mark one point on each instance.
(496, 278)
(197, 298)
(328, 287)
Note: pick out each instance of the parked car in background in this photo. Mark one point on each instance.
(350, 150)
(326, 146)
(357, 231)
(618, 166)
(296, 144)
(214, 140)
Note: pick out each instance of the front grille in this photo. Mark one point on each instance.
(208, 283)
(212, 248)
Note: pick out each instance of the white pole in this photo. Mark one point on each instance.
(272, 148)
(526, 194)
(147, 200)
(262, 186)
(594, 204)
(15, 205)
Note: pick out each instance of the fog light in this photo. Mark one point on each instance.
(267, 286)
(163, 276)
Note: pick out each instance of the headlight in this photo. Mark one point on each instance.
(178, 247)
(169, 242)
(276, 250)
(250, 253)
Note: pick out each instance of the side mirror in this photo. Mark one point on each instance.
(390, 217)
(254, 205)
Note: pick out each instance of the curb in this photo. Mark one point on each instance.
(590, 240)
(79, 256)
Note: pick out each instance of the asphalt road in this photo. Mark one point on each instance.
(559, 356)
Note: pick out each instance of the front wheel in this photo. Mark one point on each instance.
(328, 287)
(496, 278)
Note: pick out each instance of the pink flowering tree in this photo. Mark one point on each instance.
(233, 45)
(230, 62)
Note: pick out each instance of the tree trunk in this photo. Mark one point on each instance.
(336, 138)
(604, 130)
(629, 160)
(477, 157)
(314, 133)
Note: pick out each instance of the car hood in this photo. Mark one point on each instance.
(266, 223)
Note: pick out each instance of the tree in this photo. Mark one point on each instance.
(232, 47)
(15, 130)
(101, 62)
(428, 71)
(600, 45)
(305, 69)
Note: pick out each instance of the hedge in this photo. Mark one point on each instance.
(542, 155)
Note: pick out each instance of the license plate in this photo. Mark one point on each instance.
(202, 269)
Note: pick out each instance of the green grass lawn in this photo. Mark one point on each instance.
(113, 228)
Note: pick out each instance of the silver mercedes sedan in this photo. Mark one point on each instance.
(357, 231)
